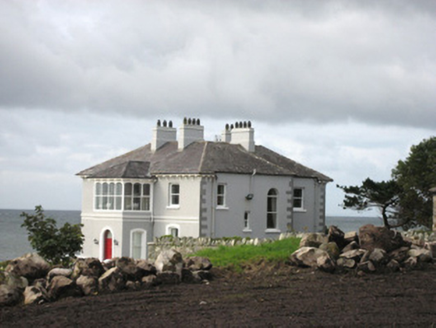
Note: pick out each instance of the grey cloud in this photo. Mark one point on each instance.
(276, 61)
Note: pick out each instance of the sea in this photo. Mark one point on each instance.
(14, 242)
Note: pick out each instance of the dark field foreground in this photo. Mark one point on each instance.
(263, 296)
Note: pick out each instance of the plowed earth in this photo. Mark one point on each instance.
(262, 296)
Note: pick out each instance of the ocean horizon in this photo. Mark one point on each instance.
(14, 242)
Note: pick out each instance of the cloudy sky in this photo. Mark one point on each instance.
(344, 87)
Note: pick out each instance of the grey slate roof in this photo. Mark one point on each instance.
(201, 157)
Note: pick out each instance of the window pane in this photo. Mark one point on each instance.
(128, 203)
(175, 199)
(298, 192)
(136, 202)
(105, 189)
(175, 189)
(98, 203)
(118, 203)
(137, 244)
(128, 189)
(111, 188)
(146, 189)
(145, 205)
(137, 189)
(119, 189)
(271, 221)
(98, 188)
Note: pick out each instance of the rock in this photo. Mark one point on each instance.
(423, 255)
(9, 295)
(35, 294)
(145, 268)
(169, 261)
(393, 265)
(431, 246)
(133, 285)
(325, 263)
(351, 236)
(149, 281)
(367, 267)
(313, 240)
(168, 278)
(307, 256)
(198, 263)
(59, 272)
(331, 248)
(346, 263)
(112, 280)
(354, 254)
(411, 263)
(88, 285)
(400, 254)
(352, 245)
(378, 256)
(90, 266)
(371, 237)
(61, 287)
(336, 235)
(31, 266)
(128, 268)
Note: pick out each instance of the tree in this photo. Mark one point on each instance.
(384, 195)
(416, 176)
(55, 245)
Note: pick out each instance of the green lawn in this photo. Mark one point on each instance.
(242, 254)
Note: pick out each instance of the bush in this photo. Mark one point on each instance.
(57, 246)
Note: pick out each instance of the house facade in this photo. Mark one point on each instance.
(180, 184)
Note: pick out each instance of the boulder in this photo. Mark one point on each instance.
(423, 255)
(59, 272)
(399, 254)
(35, 295)
(168, 278)
(61, 287)
(393, 265)
(145, 268)
(331, 248)
(133, 285)
(431, 246)
(307, 256)
(346, 263)
(90, 266)
(197, 263)
(169, 261)
(367, 267)
(351, 236)
(354, 254)
(336, 235)
(31, 266)
(149, 281)
(112, 280)
(9, 295)
(378, 256)
(352, 245)
(128, 268)
(371, 237)
(87, 284)
(313, 240)
(325, 263)
(411, 263)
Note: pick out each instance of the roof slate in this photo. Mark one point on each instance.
(201, 157)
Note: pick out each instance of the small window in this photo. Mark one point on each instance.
(221, 195)
(298, 198)
(174, 232)
(247, 220)
(271, 211)
(174, 196)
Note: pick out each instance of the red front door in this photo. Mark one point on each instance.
(107, 245)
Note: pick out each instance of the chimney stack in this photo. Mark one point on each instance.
(189, 132)
(242, 133)
(163, 133)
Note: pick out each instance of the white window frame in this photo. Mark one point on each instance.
(223, 196)
(301, 198)
(173, 226)
(143, 243)
(142, 197)
(246, 222)
(171, 194)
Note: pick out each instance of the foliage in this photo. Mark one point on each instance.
(383, 195)
(239, 255)
(55, 245)
(416, 175)
(406, 199)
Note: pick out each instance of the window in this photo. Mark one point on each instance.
(174, 232)
(271, 211)
(247, 220)
(108, 195)
(136, 197)
(174, 196)
(221, 195)
(138, 244)
(298, 198)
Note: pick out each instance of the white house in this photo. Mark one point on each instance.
(182, 185)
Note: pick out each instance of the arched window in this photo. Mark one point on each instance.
(173, 230)
(271, 209)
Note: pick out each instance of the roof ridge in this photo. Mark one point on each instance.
(269, 162)
(203, 155)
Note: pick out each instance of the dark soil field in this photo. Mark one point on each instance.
(264, 296)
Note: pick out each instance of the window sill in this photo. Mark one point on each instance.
(173, 207)
(247, 230)
(300, 210)
(272, 231)
(222, 208)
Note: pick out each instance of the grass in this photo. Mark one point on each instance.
(238, 256)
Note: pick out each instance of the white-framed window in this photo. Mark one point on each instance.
(173, 230)
(246, 220)
(108, 195)
(271, 209)
(174, 195)
(221, 195)
(136, 196)
(298, 198)
(138, 244)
